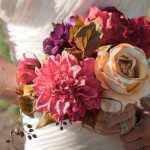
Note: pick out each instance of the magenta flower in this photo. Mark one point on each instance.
(26, 70)
(66, 88)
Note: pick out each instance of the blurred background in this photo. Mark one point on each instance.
(8, 113)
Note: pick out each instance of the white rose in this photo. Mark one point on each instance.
(124, 74)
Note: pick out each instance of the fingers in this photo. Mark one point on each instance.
(134, 134)
(100, 126)
(147, 148)
(115, 130)
(139, 137)
(137, 132)
(138, 144)
(112, 126)
(128, 113)
(130, 124)
(145, 102)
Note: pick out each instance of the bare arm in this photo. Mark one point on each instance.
(7, 81)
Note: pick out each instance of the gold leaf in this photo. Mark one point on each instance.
(53, 24)
(26, 105)
(88, 38)
(104, 48)
(45, 120)
(77, 53)
(26, 90)
(73, 30)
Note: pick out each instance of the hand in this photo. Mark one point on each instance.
(7, 81)
(139, 137)
(112, 125)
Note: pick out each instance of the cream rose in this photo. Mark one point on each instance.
(124, 74)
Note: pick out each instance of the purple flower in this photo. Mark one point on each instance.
(58, 40)
(72, 20)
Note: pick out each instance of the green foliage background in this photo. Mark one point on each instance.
(4, 51)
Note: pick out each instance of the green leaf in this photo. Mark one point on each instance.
(45, 120)
(88, 38)
(26, 105)
(4, 48)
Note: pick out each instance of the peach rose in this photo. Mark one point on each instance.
(124, 75)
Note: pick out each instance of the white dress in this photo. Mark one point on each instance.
(27, 23)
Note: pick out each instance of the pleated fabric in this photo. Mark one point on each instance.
(72, 137)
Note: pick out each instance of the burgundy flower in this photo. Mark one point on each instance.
(58, 40)
(113, 10)
(140, 35)
(26, 70)
(113, 22)
(117, 28)
(66, 88)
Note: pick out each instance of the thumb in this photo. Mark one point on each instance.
(145, 102)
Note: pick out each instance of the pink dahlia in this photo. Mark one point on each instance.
(26, 70)
(67, 88)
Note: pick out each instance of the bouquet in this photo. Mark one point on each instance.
(91, 63)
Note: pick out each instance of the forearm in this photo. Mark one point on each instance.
(7, 81)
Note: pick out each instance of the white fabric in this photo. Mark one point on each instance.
(27, 23)
(71, 138)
